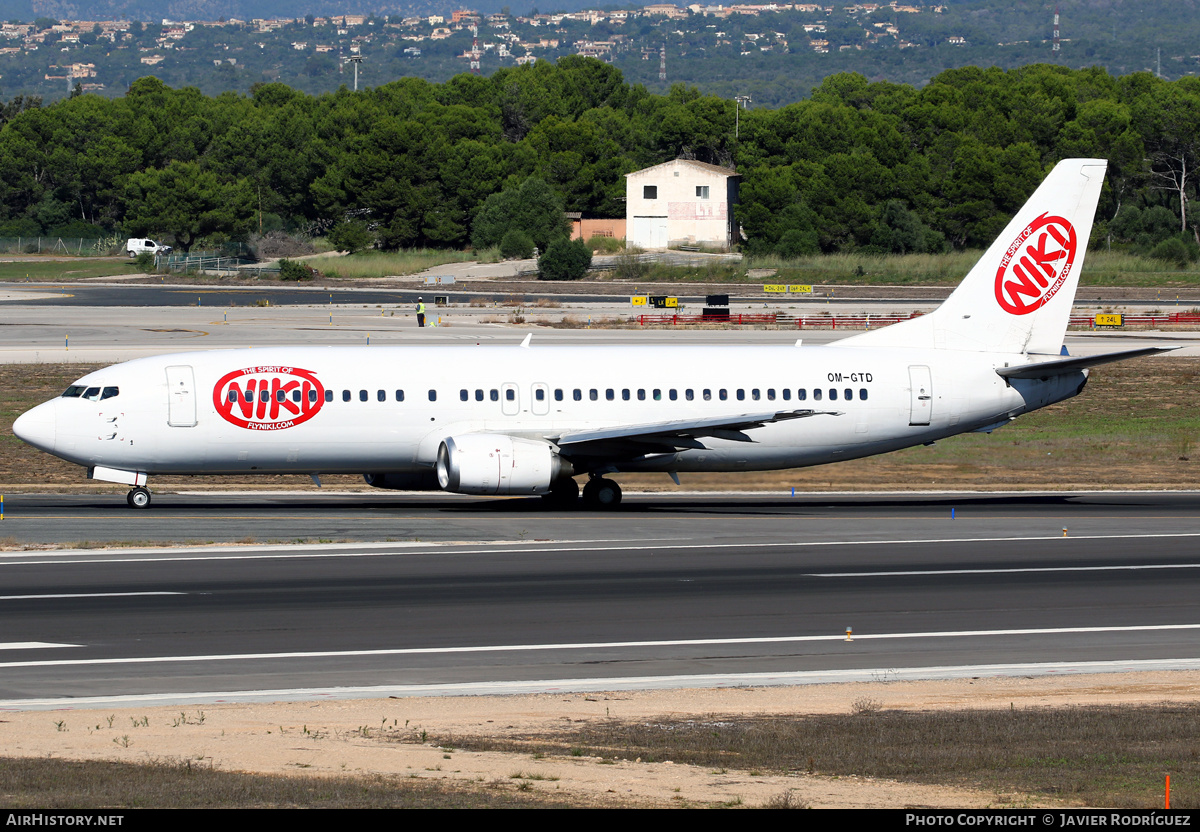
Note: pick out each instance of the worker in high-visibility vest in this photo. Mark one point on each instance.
(420, 312)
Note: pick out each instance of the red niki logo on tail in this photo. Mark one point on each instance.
(1036, 265)
(268, 398)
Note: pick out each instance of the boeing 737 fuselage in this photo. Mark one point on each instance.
(528, 419)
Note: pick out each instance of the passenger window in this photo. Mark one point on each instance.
(787, 394)
(801, 395)
(657, 395)
(832, 394)
(232, 396)
(539, 394)
(862, 393)
(741, 394)
(328, 395)
(558, 394)
(345, 395)
(577, 394)
(673, 394)
(264, 395)
(296, 396)
(433, 395)
(594, 394)
(848, 393)
(707, 395)
(281, 396)
(610, 394)
(688, 394)
(510, 395)
(479, 395)
(625, 394)
(723, 394)
(641, 394)
(754, 394)
(464, 395)
(109, 392)
(770, 394)
(362, 395)
(817, 394)
(494, 395)
(312, 396)
(381, 395)
(399, 395)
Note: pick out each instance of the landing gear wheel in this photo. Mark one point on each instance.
(600, 493)
(562, 494)
(138, 498)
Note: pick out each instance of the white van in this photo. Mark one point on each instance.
(136, 245)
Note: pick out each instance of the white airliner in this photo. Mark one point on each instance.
(527, 419)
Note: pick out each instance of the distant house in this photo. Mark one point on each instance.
(680, 203)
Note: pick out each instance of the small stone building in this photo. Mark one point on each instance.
(683, 202)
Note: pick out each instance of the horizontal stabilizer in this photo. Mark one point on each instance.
(1046, 369)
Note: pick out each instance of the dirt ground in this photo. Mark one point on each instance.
(348, 737)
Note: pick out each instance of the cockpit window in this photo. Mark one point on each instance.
(92, 394)
(109, 393)
(74, 391)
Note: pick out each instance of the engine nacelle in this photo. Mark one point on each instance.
(492, 463)
(417, 481)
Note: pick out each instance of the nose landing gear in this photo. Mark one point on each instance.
(138, 498)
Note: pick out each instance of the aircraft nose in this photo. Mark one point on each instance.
(37, 427)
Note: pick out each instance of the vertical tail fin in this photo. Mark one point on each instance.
(1018, 296)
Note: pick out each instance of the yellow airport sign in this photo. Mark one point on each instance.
(673, 302)
(638, 300)
(788, 288)
(800, 289)
(1109, 320)
(775, 287)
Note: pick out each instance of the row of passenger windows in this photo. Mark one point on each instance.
(577, 394)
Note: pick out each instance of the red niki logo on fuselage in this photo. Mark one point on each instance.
(1036, 265)
(268, 397)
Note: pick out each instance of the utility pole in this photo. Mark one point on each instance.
(740, 101)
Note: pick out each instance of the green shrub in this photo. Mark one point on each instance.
(516, 245)
(565, 260)
(292, 270)
(605, 245)
(351, 236)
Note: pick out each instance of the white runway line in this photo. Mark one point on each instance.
(85, 595)
(596, 645)
(32, 645)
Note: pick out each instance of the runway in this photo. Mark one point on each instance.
(471, 594)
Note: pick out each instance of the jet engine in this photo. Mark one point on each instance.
(493, 463)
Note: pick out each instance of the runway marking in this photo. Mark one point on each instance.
(1004, 571)
(33, 645)
(595, 645)
(84, 595)
(338, 550)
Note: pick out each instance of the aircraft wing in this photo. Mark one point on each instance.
(681, 433)
(1046, 369)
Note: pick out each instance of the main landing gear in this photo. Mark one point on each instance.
(601, 493)
(138, 498)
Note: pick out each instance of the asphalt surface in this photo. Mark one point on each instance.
(495, 593)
